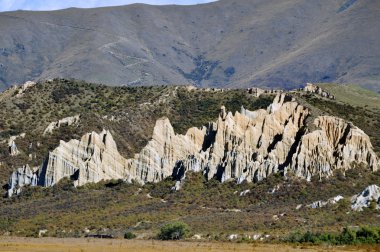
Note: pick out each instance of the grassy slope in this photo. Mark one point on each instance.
(205, 205)
(354, 95)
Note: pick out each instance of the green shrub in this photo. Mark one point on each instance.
(364, 235)
(174, 231)
(129, 235)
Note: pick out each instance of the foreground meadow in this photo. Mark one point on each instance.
(100, 245)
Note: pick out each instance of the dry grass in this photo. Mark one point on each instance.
(97, 245)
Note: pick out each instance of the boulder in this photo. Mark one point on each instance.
(331, 201)
(12, 147)
(364, 199)
(67, 121)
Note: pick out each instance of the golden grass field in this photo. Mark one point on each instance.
(117, 245)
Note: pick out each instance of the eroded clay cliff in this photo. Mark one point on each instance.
(247, 145)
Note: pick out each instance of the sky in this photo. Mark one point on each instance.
(10, 5)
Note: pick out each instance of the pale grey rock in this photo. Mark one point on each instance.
(233, 237)
(257, 92)
(91, 159)
(255, 237)
(244, 193)
(42, 232)
(364, 199)
(21, 177)
(251, 146)
(274, 189)
(312, 88)
(12, 147)
(331, 201)
(21, 89)
(196, 237)
(336, 145)
(13, 151)
(168, 154)
(67, 121)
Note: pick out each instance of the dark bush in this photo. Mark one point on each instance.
(129, 235)
(174, 231)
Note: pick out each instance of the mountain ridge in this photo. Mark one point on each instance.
(219, 44)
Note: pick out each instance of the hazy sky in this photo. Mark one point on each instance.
(9, 5)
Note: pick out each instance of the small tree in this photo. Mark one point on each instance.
(129, 235)
(173, 231)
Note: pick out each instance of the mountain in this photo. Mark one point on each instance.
(228, 43)
(79, 158)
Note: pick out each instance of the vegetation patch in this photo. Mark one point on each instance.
(173, 231)
(349, 236)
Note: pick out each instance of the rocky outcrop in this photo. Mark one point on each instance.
(63, 122)
(91, 159)
(321, 203)
(335, 145)
(21, 177)
(21, 90)
(247, 146)
(169, 154)
(365, 198)
(12, 147)
(256, 92)
(311, 88)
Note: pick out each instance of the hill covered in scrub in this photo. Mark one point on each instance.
(40, 121)
(226, 43)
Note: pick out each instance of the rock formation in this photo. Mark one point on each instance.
(250, 145)
(12, 147)
(21, 177)
(91, 159)
(364, 199)
(21, 90)
(317, 90)
(370, 194)
(256, 92)
(321, 203)
(63, 122)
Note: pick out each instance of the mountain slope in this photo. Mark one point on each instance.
(226, 44)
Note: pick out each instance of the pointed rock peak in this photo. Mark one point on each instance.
(163, 128)
(278, 101)
(223, 112)
(252, 114)
(107, 138)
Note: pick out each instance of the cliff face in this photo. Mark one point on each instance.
(250, 145)
(92, 159)
(21, 177)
